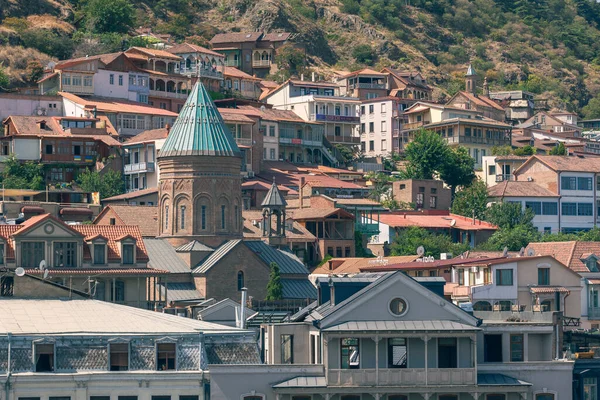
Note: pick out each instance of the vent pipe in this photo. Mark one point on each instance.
(242, 323)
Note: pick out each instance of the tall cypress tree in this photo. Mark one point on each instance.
(274, 287)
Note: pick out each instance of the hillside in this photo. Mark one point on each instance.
(549, 47)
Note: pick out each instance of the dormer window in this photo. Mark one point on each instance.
(99, 253)
(128, 253)
(591, 262)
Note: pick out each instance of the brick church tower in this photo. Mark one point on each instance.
(200, 193)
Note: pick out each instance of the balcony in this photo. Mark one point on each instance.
(232, 63)
(343, 139)
(366, 228)
(244, 142)
(170, 95)
(414, 125)
(505, 177)
(368, 86)
(201, 72)
(478, 140)
(334, 118)
(401, 376)
(138, 167)
(594, 313)
(261, 63)
(78, 89)
(300, 142)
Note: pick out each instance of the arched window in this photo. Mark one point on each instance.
(223, 215)
(482, 306)
(182, 217)
(166, 217)
(240, 280)
(236, 217)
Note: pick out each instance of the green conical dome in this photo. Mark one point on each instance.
(199, 129)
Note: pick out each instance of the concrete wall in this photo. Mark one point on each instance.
(12, 104)
(382, 117)
(26, 149)
(408, 190)
(301, 342)
(102, 86)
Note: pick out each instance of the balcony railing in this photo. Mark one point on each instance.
(171, 95)
(478, 140)
(401, 376)
(334, 118)
(261, 63)
(368, 86)
(594, 313)
(139, 167)
(414, 125)
(232, 63)
(243, 141)
(343, 139)
(505, 177)
(78, 89)
(202, 72)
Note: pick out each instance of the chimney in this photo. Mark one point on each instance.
(331, 292)
(313, 76)
(300, 195)
(242, 323)
(301, 77)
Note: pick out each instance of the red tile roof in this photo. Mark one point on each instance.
(324, 181)
(97, 271)
(192, 48)
(144, 217)
(482, 101)
(117, 106)
(236, 73)
(235, 37)
(113, 233)
(152, 53)
(519, 189)
(569, 253)
(549, 289)
(148, 136)
(564, 163)
(265, 187)
(435, 221)
(132, 195)
(318, 213)
(437, 264)
(355, 265)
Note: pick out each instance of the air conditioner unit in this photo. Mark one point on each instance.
(250, 174)
(529, 179)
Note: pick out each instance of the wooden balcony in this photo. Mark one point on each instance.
(414, 125)
(138, 167)
(261, 63)
(401, 376)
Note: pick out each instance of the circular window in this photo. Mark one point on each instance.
(398, 306)
(49, 229)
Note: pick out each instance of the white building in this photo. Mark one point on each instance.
(28, 104)
(380, 121)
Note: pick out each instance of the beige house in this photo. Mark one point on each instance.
(425, 194)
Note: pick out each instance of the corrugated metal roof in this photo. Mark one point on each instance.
(199, 129)
(288, 263)
(179, 291)
(298, 289)
(401, 326)
(219, 253)
(300, 315)
(303, 381)
(232, 353)
(194, 245)
(499, 379)
(163, 256)
(348, 279)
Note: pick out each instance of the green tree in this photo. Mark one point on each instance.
(108, 184)
(364, 54)
(4, 80)
(425, 154)
(525, 151)
(109, 15)
(502, 150)
(510, 215)
(17, 175)
(471, 201)
(407, 241)
(358, 245)
(458, 169)
(290, 58)
(346, 153)
(559, 150)
(592, 109)
(515, 238)
(274, 287)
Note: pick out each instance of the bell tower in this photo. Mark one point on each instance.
(273, 212)
(200, 193)
(471, 80)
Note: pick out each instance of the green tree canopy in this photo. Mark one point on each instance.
(4, 80)
(109, 15)
(364, 54)
(426, 154)
(108, 185)
(471, 200)
(407, 241)
(592, 109)
(274, 287)
(559, 150)
(510, 215)
(458, 169)
(17, 175)
(525, 151)
(515, 238)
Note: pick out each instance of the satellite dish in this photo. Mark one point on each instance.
(531, 252)
(46, 273)
(19, 271)
(505, 252)
(263, 108)
(453, 222)
(40, 112)
(522, 252)
(42, 265)
(420, 251)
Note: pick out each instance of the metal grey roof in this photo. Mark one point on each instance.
(471, 71)
(348, 279)
(179, 291)
(274, 198)
(303, 381)
(298, 289)
(194, 245)
(216, 255)
(288, 263)
(221, 304)
(300, 315)
(163, 256)
(199, 130)
(429, 279)
(232, 353)
(499, 379)
(401, 326)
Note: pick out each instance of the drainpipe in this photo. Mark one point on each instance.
(8, 371)
(243, 308)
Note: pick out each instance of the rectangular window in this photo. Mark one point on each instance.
(549, 208)
(590, 388)
(223, 217)
(32, 253)
(117, 291)
(492, 348)
(76, 80)
(128, 253)
(44, 357)
(384, 145)
(287, 349)
(111, 79)
(461, 277)
(371, 145)
(569, 208)
(127, 398)
(383, 126)
(119, 356)
(544, 276)
(371, 108)
(99, 254)
(48, 149)
(161, 397)
(272, 153)
(7, 285)
(203, 217)
(535, 206)
(99, 397)
(165, 356)
(272, 131)
(568, 183)
(492, 170)
(362, 128)
(65, 254)
(371, 127)
(447, 353)
(350, 353)
(120, 80)
(397, 353)
(362, 110)
(504, 277)
(383, 108)
(182, 213)
(584, 183)
(585, 209)
(516, 348)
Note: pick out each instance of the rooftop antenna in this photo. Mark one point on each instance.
(505, 252)
(530, 252)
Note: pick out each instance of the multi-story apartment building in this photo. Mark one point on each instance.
(496, 169)
(425, 194)
(241, 85)
(562, 191)
(76, 349)
(518, 104)
(408, 85)
(200, 63)
(458, 126)
(127, 117)
(252, 52)
(555, 122)
(365, 84)
(320, 102)
(390, 337)
(139, 159)
(65, 146)
(36, 105)
(381, 120)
